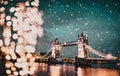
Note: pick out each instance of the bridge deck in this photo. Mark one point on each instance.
(102, 59)
(85, 61)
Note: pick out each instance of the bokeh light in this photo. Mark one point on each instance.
(21, 27)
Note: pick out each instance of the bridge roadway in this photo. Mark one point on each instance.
(80, 61)
(85, 61)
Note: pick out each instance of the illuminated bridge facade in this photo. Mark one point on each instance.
(86, 54)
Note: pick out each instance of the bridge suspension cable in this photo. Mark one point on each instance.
(47, 54)
(99, 53)
(96, 52)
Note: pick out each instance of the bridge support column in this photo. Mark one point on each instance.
(53, 50)
(85, 50)
(53, 53)
(80, 50)
(82, 62)
(56, 48)
(57, 51)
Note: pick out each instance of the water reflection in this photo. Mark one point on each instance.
(55, 70)
(42, 69)
(97, 72)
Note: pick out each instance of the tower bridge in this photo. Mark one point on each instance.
(86, 54)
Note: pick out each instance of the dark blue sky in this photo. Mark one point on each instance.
(65, 19)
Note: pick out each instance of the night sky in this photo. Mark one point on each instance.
(65, 19)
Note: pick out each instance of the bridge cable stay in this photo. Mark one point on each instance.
(98, 53)
(47, 54)
(92, 55)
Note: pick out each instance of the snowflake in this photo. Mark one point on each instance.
(56, 29)
(116, 4)
(62, 20)
(54, 12)
(64, 11)
(93, 4)
(106, 5)
(78, 19)
(110, 11)
(68, 27)
(67, 5)
(80, 5)
(92, 12)
(58, 18)
(78, 11)
(49, 5)
(86, 23)
(71, 14)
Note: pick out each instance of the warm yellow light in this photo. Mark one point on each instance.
(16, 13)
(15, 73)
(12, 9)
(12, 44)
(19, 60)
(20, 40)
(5, 2)
(7, 32)
(108, 56)
(17, 9)
(30, 49)
(14, 57)
(54, 70)
(2, 22)
(7, 41)
(32, 59)
(18, 49)
(32, 68)
(8, 71)
(26, 24)
(13, 68)
(22, 73)
(15, 36)
(17, 65)
(21, 6)
(9, 23)
(80, 72)
(2, 9)
(27, 3)
(24, 64)
(3, 49)
(8, 17)
(31, 72)
(28, 55)
(7, 65)
(20, 32)
(1, 43)
(7, 57)
(2, 15)
(15, 28)
(32, 3)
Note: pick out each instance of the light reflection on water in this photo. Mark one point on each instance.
(42, 69)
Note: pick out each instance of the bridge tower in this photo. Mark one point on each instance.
(82, 48)
(56, 47)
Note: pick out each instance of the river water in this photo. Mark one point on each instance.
(42, 69)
